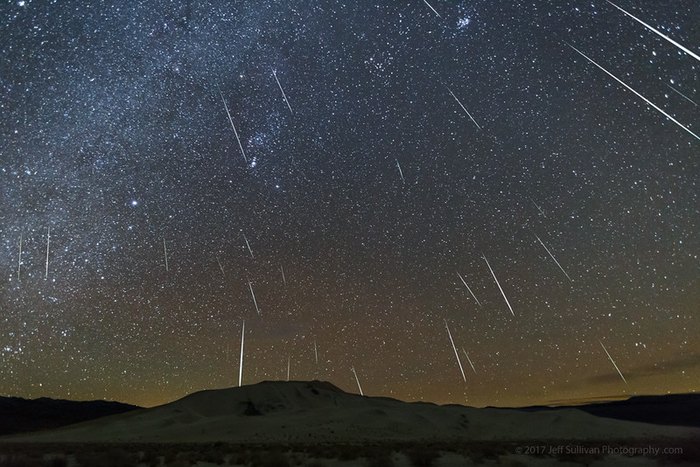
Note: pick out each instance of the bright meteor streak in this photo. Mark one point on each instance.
(19, 260)
(613, 362)
(656, 31)
(431, 7)
(284, 96)
(252, 294)
(48, 243)
(464, 108)
(240, 367)
(635, 92)
(459, 362)
(552, 256)
(358, 381)
(499, 286)
(235, 132)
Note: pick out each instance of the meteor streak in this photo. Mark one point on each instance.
(635, 92)
(463, 108)
(400, 171)
(469, 360)
(284, 96)
(165, 253)
(250, 250)
(613, 362)
(240, 367)
(656, 31)
(456, 353)
(469, 289)
(235, 132)
(252, 294)
(552, 256)
(48, 242)
(683, 95)
(538, 207)
(358, 381)
(499, 285)
(431, 7)
(19, 260)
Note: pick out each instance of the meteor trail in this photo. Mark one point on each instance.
(289, 366)
(19, 261)
(253, 295)
(538, 207)
(235, 132)
(470, 290)
(683, 95)
(469, 360)
(248, 245)
(613, 362)
(240, 366)
(499, 285)
(358, 381)
(284, 96)
(400, 171)
(220, 266)
(316, 351)
(456, 353)
(48, 241)
(165, 253)
(463, 108)
(552, 256)
(635, 92)
(656, 31)
(284, 279)
(431, 7)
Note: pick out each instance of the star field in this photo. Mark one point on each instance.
(114, 135)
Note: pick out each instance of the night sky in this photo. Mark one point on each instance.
(412, 144)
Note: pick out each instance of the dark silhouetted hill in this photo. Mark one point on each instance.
(19, 415)
(672, 409)
(274, 412)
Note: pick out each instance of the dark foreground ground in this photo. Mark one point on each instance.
(671, 453)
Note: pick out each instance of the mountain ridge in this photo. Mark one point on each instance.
(664, 409)
(299, 411)
(19, 415)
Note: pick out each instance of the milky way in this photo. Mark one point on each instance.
(390, 147)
